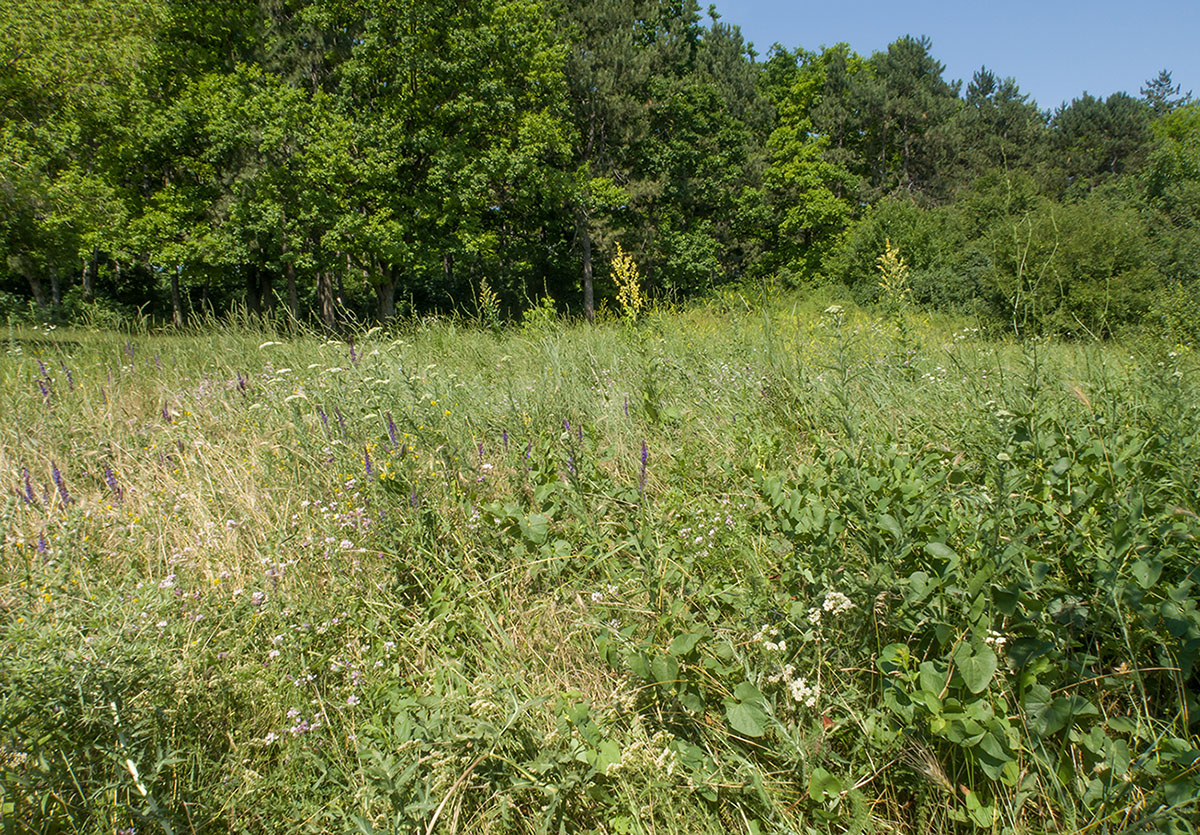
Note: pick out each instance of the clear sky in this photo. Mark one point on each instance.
(1056, 50)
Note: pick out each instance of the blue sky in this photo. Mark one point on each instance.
(1055, 50)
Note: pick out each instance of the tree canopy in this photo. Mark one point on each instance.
(354, 159)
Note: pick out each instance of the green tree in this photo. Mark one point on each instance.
(1162, 96)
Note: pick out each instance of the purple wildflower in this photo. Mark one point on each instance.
(70, 376)
(337, 413)
(157, 362)
(324, 419)
(367, 462)
(480, 453)
(166, 412)
(45, 389)
(111, 481)
(103, 396)
(403, 451)
(129, 348)
(391, 427)
(60, 483)
(42, 545)
(28, 494)
(504, 438)
(42, 366)
(353, 354)
(645, 460)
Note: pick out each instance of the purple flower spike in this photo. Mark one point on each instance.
(324, 419)
(111, 481)
(353, 354)
(367, 462)
(645, 460)
(337, 413)
(391, 427)
(504, 438)
(42, 544)
(42, 366)
(45, 390)
(60, 483)
(70, 376)
(28, 494)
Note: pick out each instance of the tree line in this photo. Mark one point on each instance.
(367, 158)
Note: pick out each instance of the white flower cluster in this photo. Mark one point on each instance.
(798, 687)
(996, 641)
(766, 636)
(835, 603)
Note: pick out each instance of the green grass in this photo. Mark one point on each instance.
(874, 575)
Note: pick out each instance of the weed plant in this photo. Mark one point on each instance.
(724, 570)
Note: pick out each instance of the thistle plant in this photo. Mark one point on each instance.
(630, 296)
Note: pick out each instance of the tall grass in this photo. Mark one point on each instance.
(724, 570)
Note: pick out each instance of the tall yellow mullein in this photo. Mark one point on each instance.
(629, 285)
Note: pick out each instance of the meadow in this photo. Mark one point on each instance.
(740, 567)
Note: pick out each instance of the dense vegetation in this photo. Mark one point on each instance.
(722, 570)
(343, 159)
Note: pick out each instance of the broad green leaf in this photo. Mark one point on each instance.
(889, 524)
(822, 784)
(665, 669)
(976, 665)
(745, 711)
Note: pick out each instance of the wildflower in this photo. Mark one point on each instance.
(352, 700)
(837, 603)
(645, 460)
(391, 428)
(28, 496)
(273, 654)
(111, 481)
(60, 483)
(367, 462)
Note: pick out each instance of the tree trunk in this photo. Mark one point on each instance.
(266, 291)
(293, 296)
(176, 305)
(87, 276)
(37, 288)
(55, 289)
(253, 299)
(589, 299)
(385, 295)
(325, 298)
